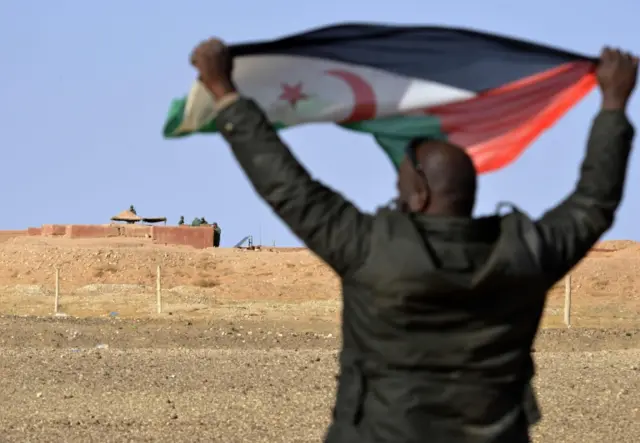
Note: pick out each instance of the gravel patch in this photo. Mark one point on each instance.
(111, 380)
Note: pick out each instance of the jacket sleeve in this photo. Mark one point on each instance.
(570, 229)
(332, 227)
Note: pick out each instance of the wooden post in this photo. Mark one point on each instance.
(158, 291)
(567, 300)
(56, 304)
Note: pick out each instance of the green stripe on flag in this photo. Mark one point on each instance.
(394, 133)
(175, 117)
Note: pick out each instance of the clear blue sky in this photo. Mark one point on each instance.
(85, 87)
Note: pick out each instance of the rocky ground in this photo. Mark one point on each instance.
(114, 380)
(245, 348)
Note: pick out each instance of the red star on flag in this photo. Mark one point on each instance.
(293, 94)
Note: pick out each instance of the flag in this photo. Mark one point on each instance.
(490, 94)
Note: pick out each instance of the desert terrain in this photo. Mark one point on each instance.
(245, 347)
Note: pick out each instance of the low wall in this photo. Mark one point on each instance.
(53, 230)
(135, 231)
(199, 237)
(91, 231)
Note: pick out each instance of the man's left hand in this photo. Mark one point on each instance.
(214, 64)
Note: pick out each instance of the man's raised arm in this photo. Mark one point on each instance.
(326, 222)
(575, 225)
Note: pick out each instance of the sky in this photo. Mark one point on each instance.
(85, 88)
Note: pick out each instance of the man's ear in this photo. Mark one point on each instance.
(419, 200)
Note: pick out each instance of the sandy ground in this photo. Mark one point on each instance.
(112, 380)
(245, 349)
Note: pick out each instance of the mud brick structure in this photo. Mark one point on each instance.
(198, 237)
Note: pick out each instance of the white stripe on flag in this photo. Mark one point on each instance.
(328, 91)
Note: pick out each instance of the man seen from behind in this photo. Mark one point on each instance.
(440, 308)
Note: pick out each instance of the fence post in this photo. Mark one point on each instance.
(567, 300)
(56, 304)
(158, 291)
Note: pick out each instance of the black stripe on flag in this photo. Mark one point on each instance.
(463, 58)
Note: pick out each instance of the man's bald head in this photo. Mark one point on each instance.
(437, 177)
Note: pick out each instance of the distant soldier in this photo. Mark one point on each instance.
(203, 221)
(217, 232)
(196, 222)
(181, 221)
(132, 209)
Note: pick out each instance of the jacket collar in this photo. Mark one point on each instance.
(479, 229)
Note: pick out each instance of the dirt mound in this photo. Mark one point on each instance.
(122, 272)
(266, 274)
(611, 270)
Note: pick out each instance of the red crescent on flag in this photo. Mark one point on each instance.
(364, 97)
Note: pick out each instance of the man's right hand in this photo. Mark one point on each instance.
(617, 74)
